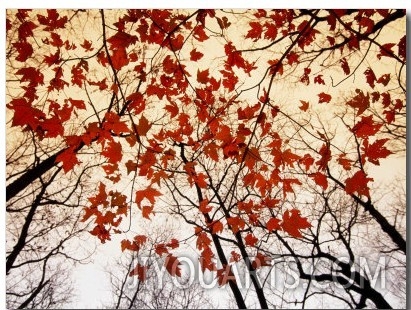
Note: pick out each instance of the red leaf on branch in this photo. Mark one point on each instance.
(172, 108)
(366, 127)
(26, 30)
(261, 260)
(207, 260)
(360, 102)
(236, 223)
(52, 20)
(161, 249)
(325, 153)
(344, 162)
(113, 123)
(199, 33)
(386, 50)
(304, 105)
(87, 45)
(31, 75)
(370, 76)
(250, 239)
(143, 126)
(140, 271)
(202, 76)
(235, 257)
(323, 97)
(149, 193)
(224, 275)
(24, 50)
(172, 265)
(204, 207)
(358, 184)
(194, 55)
(113, 152)
(273, 224)
(402, 45)
(292, 57)
(203, 241)
(217, 227)
(320, 179)
(255, 31)
(384, 79)
(375, 151)
(146, 211)
(271, 31)
(344, 66)
(293, 222)
(68, 158)
(319, 80)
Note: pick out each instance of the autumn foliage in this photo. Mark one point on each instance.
(228, 125)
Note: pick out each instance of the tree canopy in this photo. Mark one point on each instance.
(256, 130)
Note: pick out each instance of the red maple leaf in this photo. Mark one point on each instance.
(292, 223)
(235, 257)
(366, 127)
(129, 245)
(250, 239)
(319, 79)
(194, 55)
(236, 223)
(325, 153)
(344, 66)
(323, 97)
(375, 151)
(119, 58)
(320, 179)
(360, 101)
(202, 76)
(146, 211)
(204, 207)
(161, 249)
(24, 50)
(255, 31)
(52, 20)
(344, 162)
(271, 31)
(292, 57)
(172, 265)
(149, 193)
(31, 75)
(384, 79)
(143, 126)
(199, 33)
(273, 224)
(87, 45)
(203, 241)
(261, 260)
(26, 30)
(113, 151)
(217, 227)
(386, 50)
(304, 105)
(370, 76)
(402, 47)
(68, 158)
(207, 260)
(358, 184)
(25, 114)
(140, 271)
(224, 275)
(173, 244)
